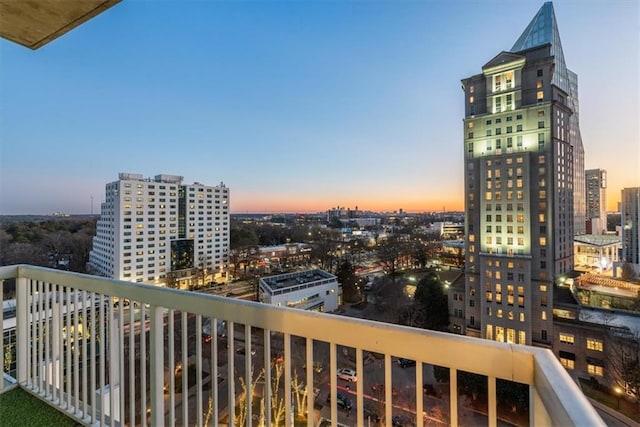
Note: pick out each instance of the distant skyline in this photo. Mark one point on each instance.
(295, 106)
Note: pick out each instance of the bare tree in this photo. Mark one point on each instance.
(244, 400)
(389, 253)
(624, 360)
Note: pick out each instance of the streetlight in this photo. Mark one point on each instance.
(618, 392)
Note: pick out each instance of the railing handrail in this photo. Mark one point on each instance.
(528, 365)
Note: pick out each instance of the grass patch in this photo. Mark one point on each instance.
(599, 394)
(20, 408)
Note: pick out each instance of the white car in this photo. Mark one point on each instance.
(347, 375)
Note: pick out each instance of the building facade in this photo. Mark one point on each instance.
(630, 221)
(596, 252)
(520, 154)
(159, 230)
(596, 197)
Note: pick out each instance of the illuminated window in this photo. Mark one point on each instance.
(543, 241)
(471, 100)
(543, 315)
(540, 95)
(521, 316)
(522, 337)
(595, 344)
(594, 370)
(568, 363)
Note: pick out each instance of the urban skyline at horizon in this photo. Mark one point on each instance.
(322, 102)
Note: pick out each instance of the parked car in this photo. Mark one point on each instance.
(406, 362)
(342, 401)
(347, 375)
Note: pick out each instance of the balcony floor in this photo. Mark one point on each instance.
(20, 408)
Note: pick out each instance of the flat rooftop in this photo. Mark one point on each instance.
(292, 280)
(597, 239)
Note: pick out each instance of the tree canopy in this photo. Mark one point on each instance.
(430, 304)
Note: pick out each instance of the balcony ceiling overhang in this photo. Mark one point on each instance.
(34, 23)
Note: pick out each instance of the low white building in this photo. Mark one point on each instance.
(314, 290)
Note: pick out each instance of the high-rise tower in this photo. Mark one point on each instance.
(596, 198)
(522, 147)
(630, 221)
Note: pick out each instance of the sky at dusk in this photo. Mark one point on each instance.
(295, 106)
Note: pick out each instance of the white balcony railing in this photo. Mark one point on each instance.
(153, 362)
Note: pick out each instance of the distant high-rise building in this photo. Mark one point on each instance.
(575, 140)
(596, 198)
(159, 230)
(630, 222)
(522, 149)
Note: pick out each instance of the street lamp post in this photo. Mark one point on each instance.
(618, 392)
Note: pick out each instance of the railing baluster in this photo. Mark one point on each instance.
(68, 377)
(85, 349)
(143, 363)
(172, 370)
(214, 370)
(22, 331)
(388, 381)
(492, 402)
(287, 380)
(47, 340)
(103, 355)
(132, 364)
(92, 364)
(359, 399)
(333, 381)
(309, 379)
(185, 372)
(248, 373)
(56, 329)
(33, 303)
(157, 365)
(453, 396)
(42, 338)
(77, 307)
(268, 363)
(419, 393)
(113, 362)
(121, 412)
(231, 383)
(2, 365)
(198, 342)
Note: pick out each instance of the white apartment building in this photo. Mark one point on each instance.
(314, 290)
(159, 230)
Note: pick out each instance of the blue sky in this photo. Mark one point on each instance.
(296, 106)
